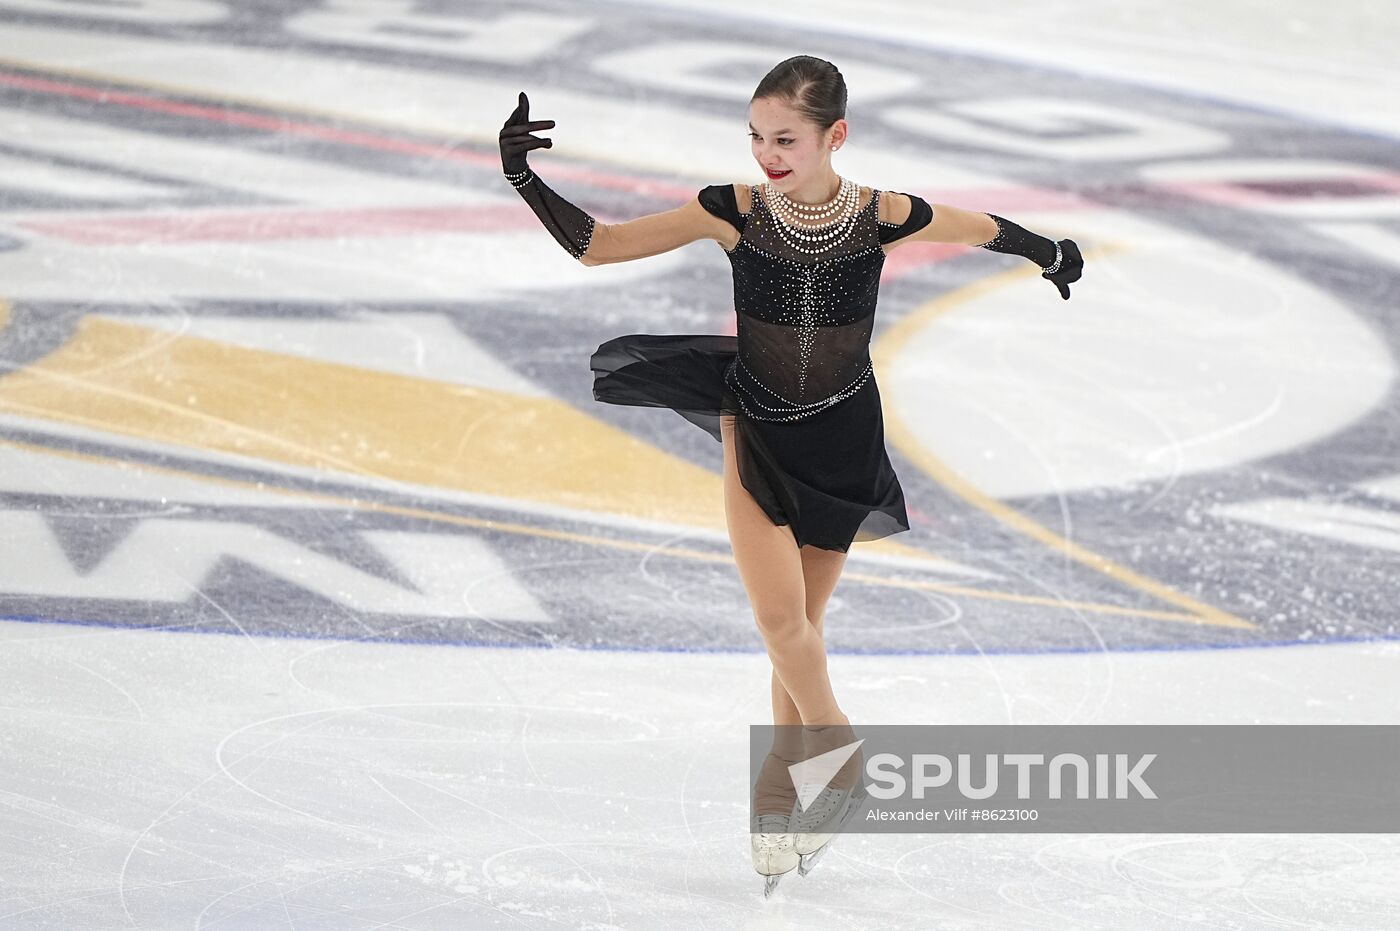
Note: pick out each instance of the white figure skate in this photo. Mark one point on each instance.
(773, 852)
(814, 827)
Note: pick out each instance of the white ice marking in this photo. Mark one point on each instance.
(1360, 526)
(23, 471)
(164, 560)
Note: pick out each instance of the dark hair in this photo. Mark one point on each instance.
(812, 86)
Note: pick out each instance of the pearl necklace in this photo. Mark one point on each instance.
(814, 212)
(813, 239)
(811, 214)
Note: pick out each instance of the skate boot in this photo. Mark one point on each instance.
(814, 828)
(834, 805)
(770, 837)
(773, 851)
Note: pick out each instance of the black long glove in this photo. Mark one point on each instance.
(1060, 262)
(572, 227)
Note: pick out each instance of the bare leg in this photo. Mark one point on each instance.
(772, 570)
(821, 570)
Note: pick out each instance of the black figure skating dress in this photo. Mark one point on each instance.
(809, 431)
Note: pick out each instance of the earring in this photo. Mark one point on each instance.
(833, 148)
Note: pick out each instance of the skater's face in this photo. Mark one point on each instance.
(785, 141)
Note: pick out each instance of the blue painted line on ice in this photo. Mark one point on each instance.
(617, 648)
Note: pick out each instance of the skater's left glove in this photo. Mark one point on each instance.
(1060, 262)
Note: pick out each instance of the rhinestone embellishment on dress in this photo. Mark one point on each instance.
(806, 283)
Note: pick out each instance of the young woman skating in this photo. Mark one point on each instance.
(792, 396)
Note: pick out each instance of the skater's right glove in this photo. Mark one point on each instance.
(572, 227)
(1060, 262)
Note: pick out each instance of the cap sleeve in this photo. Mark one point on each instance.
(920, 215)
(719, 200)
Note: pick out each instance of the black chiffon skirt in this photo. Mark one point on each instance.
(827, 476)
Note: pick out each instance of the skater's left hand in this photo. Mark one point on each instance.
(1071, 267)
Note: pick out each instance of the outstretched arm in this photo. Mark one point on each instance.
(1060, 262)
(652, 234)
(594, 243)
(583, 237)
(949, 224)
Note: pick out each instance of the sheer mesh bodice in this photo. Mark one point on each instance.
(804, 318)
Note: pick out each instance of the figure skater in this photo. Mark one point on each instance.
(792, 397)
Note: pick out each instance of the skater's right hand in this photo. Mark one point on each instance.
(1071, 267)
(516, 138)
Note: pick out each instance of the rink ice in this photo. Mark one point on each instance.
(254, 782)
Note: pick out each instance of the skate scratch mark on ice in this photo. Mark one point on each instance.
(508, 574)
(988, 414)
(371, 634)
(1285, 597)
(659, 581)
(356, 866)
(394, 923)
(885, 352)
(1267, 413)
(544, 844)
(1054, 596)
(328, 714)
(991, 667)
(140, 714)
(282, 898)
(1073, 369)
(437, 829)
(72, 818)
(540, 780)
(1114, 858)
(69, 899)
(740, 702)
(224, 771)
(922, 889)
(136, 844)
(227, 616)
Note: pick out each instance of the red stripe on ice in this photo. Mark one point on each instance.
(280, 223)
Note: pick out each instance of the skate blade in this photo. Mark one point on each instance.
(807, 861)
(770, 883)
